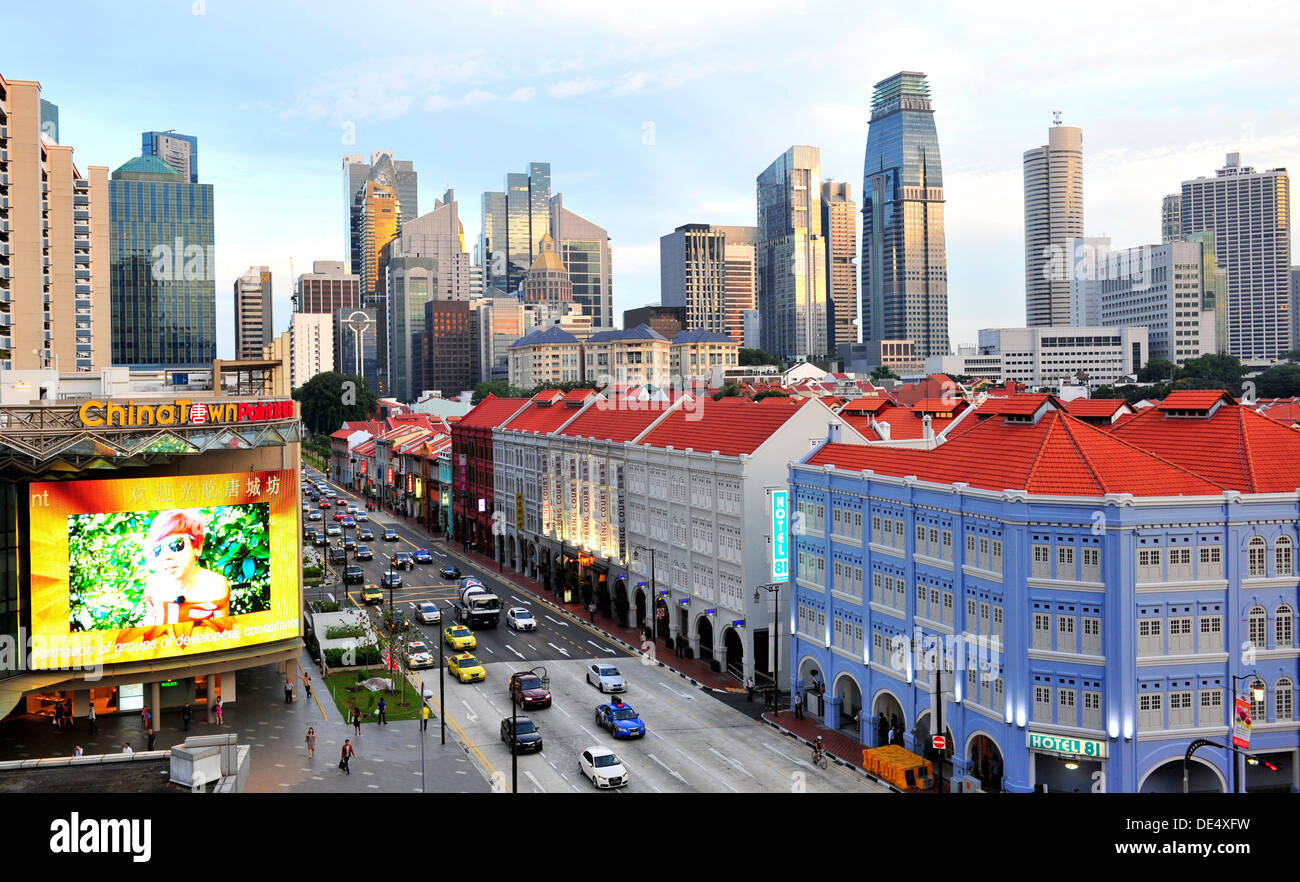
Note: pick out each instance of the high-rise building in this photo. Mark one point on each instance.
(1171, 217)
(411, 284)
(840, 226)
(441, 236)
(1087, 269)
(740, 278)
(1250, 214)
(311, 346)
(327, 288)
(791, 256)
(1053, 217)
(1295, 304)
(398, 175)
(181, 152)
(514, 223)
(476, 286)
(449, 348)
(904, 261)
(584, 249)
(547, 283)
(50, 120)
(499, 321)
(356, 344)
(1214, 287)
(381, 221)
(54, 245)
(164, 296)
(252, 312)
(708, 271)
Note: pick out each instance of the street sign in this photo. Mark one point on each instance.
(938, 742)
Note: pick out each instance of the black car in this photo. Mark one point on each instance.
(391, 580)
(352, 575)
(450, 572)
(364, 535)
(320, 540)
(338, 554)
(349, 543)
(526, 737)
(390, 535)
(403, 561)
(363, 552)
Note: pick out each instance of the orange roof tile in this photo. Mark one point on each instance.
(548, 411)
(492, 412)
(867, 405)
(730, 426)
(1094, 407)
(617, 421)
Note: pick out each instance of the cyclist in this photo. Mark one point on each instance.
(818, 749)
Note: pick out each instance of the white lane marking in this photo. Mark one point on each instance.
(588, 731)
(515, 651)
(521, 600)
(572, 786)
(725, 782)
(665, 768)
(653, 787)
(731, 762)
(490, 649)
(536, 783)
(562, 710)
(469, 712)
(557, 649)
(675, 692)
(439, 553)
(558, 622)
(797, 762)
(602, 648)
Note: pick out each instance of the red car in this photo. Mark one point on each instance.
(324, 503)
(340, 515)
(527, 690)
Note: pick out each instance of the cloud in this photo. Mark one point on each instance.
(629, 83)
(524, 93)
(436, 103)
(571, 88)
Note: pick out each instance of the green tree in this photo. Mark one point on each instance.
(1218, 371)
(771, 393)
(1157, 370)
(753, 357)
(330, 399)
(499, 388)
(882, 372)
(1279, 381)
(1291, 355)
(731, 390)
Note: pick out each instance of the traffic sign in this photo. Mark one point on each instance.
(939, 742)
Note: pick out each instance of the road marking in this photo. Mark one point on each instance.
(557, 649)
(725, 782)
(536, 783)
(515, 651)
(797, 762)
(732, 762)
(469, 712)
(675, 692)
(490, 649)
(588, 731)
(665, 768)
(521, 600)
(653, 787)
(561, 710)
(558, 622)
(602, 648)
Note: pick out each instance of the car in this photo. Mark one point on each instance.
(527, 690)
(459, 637)
(466, 668)
(428, 612)
(315, 516)
(306, 507)
(364, 535)
(450, 572)
(330, 493)
(402, 560)
(333, 530)
(520, 619)
(372, 594)
(423, 556)
(390, 535)
(620, 720)
(602, 767)
(606, 678)
(338, 554)
(352, 575)
(363, 552)
(521, 734)
(391, 580)
(324, 503)
(397, 623)
(348, 522)
(418, 656)
(349, 543)
(321, 540)
(361, 517)
(339, 515)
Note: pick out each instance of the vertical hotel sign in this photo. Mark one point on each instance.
(780, 536)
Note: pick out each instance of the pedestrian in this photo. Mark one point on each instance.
(187, 714)
(749, 689)
(58, 715)
(311, 741)
(348, 753)
(76, 751)
(219, 710)
(882, 730)
(306, 684)
(798, 705)
(153, 736)
(383, 709)
(288, 691)
(424, 717)
(821, 701)
(356, 721)
(126, 748)
(146, 717)
(591, 611)
(91, 718)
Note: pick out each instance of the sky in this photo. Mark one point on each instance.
(658, 114)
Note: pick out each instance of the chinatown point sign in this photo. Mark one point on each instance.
(181, 412)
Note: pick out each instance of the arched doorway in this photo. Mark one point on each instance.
(604, 602)
(889, 705)
(1168, 778)
(704, 633)
(662, 627)
(620, 602)
(735, 648)
(985, 759)
(850, 696)
(640, 608)
(921, 745)
(514, 553)
(810, 674)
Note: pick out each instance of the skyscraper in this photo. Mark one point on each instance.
(513, 225)
(584, 248)
(441, 236)
(904, 262)
(327, 288)
(791, 256)
(164, 295)
(356, 344)
(449, 348)
(54, 245)
(1053, 216)
(181, 152)
(380, 218)
(1250, 214)
(252, 312)
(840, 226)
(398, 175)
(412, 282)
(708, 271)
(1171, 217)
(740, 278)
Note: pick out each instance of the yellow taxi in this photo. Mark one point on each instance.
(372, 594)
(459, 637)
(466, 668)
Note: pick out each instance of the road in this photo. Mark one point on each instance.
(695, 743)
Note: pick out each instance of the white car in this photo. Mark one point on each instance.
(419, 656)
(428, 613)
(520, 619)
(602, 767)
(606, 678)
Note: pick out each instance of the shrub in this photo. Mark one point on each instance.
(335, 632)
(361, 655)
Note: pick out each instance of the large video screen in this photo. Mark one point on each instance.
(136, 569)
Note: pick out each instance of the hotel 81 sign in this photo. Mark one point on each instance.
(780, 536)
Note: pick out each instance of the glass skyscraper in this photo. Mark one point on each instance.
(181, 152)
(904, 261)
(513, 225)
(791, 257)
(162, 285)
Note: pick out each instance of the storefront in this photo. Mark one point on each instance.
(1059, 764)
(130, 697)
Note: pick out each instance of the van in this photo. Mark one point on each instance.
(338, 555)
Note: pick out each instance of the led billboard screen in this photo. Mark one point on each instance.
(128, 570)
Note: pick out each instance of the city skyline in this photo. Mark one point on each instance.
(647, 162)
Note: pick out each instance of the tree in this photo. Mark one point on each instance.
(499, 388)
(771, 393)
(1291, 355)
(1220, 370)
(731, 390)
(331, 398)
(1279, 381)
(882, 372)
(753, 357)
(1157, 370)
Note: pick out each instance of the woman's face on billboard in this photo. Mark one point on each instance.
(174, 556)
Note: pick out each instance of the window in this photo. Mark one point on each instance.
(1091, 635)
(997, 621)
(1042, 567)
(1180, 637)
(972, 559)
(1258, 708)
(1282, 557)
(1042, 704)
(1151, 711)
(1211, 566)
(1255, 565)
(1092, 710)
(945, 543)
(1256, 628)
(1282, 628)
(1042, 631)
(1065, 634)
(876, 588)
(996, 565)
(1211, 707)
(984, 619)
(1283, 701)
(999, 695)
(899, 532)
(1066, 712)
(1065, 562)
(1180, 568)
(1211, 634)
(920, 539)
(947, 608)
(1149, 639)
(1090, 559)
(1180, 710)
(970, 613)
(1149, 565)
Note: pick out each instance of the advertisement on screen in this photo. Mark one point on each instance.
(155, 568)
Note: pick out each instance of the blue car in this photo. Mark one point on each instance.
(620, 720)
(423, 555)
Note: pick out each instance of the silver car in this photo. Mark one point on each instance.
(520, 619)
(428, 613)
(606, 678)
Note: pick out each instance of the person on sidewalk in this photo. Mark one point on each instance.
(126, 748)
(798, 705)
(187, 713)
(306, 684)
(153, 736)
(424, 717)
(591, 611)
(767, 699)
(145, 718)
(311, 742)
(219, 711)
(288, 691)
(348, 753)
(91, 718)
(356, 721)
(749, 689)
(383, 712)
(77, 751)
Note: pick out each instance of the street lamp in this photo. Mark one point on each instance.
(1257, 695)
(776, 644)
(653, 596)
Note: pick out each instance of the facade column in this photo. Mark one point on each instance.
(210, 685)
(832, 716)
(155, 704)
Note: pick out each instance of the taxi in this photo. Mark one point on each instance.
(466, 668)
(372, 594)
(459, 637)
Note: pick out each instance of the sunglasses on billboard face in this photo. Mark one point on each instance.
(175, 545)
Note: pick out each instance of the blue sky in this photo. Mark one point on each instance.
(657, 114)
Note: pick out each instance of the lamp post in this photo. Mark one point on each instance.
(1257, 695)
(776, 645)
(652, 598)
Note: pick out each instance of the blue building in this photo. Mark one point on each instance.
(1089, 598)
(181, 152)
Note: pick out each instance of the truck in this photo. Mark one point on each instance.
(476, 607)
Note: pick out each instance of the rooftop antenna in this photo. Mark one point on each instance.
(1056, 117)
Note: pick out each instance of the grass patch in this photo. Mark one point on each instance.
(347, 694)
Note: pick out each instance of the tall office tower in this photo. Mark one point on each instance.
(327, 288)
(356, 344)
(449, 348)
(54, 247)
(476, 286)
(311, 346)
(584, 248)
(1214, 287)
(1171, 217)
(514, 223)
(252, 312)
(181, 152)
(1053, 216)
(840, 226)
(740, 279)
(412, 282)
(381, 221)
(439, 235)
(904, 262)
(791, 256)
(1087, 261)
(1250, 214)
(164, 295)
(499, 322)
(692, 273)
(1295, 304)
(50, 120)
(548, 283)
(397, 174)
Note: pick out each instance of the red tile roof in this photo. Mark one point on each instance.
(1287, 412)
(1094, 407)
(617, 420)
(546, 414)
(909, 425)
(491, 412)
(366, 448)
(731, 426)
(1194, 399)
(940, 405)
(1015, 405)
(867, 405)
(1057, 455)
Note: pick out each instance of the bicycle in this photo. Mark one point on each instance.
(819, 758)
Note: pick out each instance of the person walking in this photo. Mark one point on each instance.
(219, 711)
(126, 748)
(798, 705)
(306, 684)
(311, 742)
(383, 711)
(153, 736)
(348, 753)
(77, 751)
(187, 714)
(882, 730)
(91, 718)
(288, 691)
(591, 611)
(356, 721)
(145, 718)
(424, 717)
(749, 689)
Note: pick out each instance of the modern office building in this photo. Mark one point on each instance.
(1087, 269)
(1053, 217)
(904, 259)
(1082, 624)
(54, 245)
(356, 344)
(398, 175)
(441, 236)
(667, 320)
(584, 249)
(181, 152)
(1052, 356)
(252, 311)
(327, 288)
(791, 256)
(476, 287)
(1171, 217)
(753, 327)
(50, 120)
(164, 295)
(708, 271)
(449, 348)
(1250, 215)
(740, 278)
(840, 226)
(311, 346)
(498, 322)
(514, 222)
(379, 222)
(412, 282)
